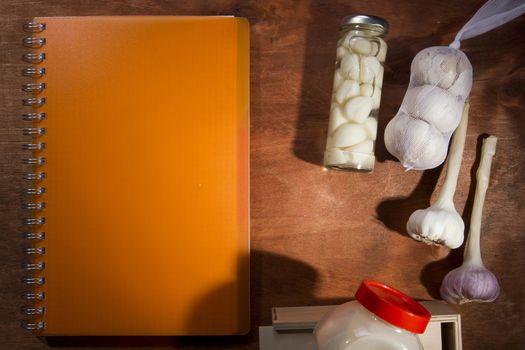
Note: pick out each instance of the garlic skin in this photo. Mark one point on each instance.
(471, 282)
(441, 224)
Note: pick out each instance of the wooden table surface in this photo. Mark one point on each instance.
(316, 234)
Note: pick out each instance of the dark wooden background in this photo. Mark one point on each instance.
(316, 234)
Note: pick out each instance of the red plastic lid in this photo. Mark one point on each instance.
(393, 306)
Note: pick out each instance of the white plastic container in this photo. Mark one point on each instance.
(382, 318)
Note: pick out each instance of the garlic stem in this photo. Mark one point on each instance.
(472, 247)
(446, 195)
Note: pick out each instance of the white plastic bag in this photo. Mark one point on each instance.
(440, 83)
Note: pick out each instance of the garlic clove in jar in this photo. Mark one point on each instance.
(358, 108)
(348, 135)
(366, 146)
(335, 156)
(350, 66)
(417, 144)
(346, 90)
(378, 81)
(367, 90)
(361, 160)
(336, 119)
(369, 69)
(360, 45)
(434, 105)
(381, 55)
(370, 125)
(338, 79)
(341, 52)
(376, 97)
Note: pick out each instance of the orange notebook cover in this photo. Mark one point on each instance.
(146, 176)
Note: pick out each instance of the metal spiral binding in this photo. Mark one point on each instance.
(34, 87)
(34, 116)
(34, 57)
(35, 236)
(35, 176)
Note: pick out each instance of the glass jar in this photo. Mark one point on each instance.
(381, 318)
(356, 93)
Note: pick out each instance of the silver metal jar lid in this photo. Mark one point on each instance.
(366, 20)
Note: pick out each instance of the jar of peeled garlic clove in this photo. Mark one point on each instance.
(356, 94)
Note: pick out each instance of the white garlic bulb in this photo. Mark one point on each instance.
(417, 144)
(434, 105)
(462, 86)
(439, 66)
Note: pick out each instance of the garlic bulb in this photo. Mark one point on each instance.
(440, 82)
(434, 105)
(472, 281)
(441, 223)
(439, 66)
(417, 144)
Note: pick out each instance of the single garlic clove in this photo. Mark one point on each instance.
(434, 105)
(338, 79)
(366, 147)
(417, 144)
(369, 69)
(346, 90)
(350, 66)
(348, 135)
(346, 40)
(358, 108)
(470, 282)
(376, 96)
(335, 156)
(379, 77)
(341, 52)
(367, 90)
(437, 225)
(360, 45)
(336, 119)
(381, 55)
(370, 125)
(375, 48)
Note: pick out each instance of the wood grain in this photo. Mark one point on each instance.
(316, 234)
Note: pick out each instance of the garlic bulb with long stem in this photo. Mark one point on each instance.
(440, 223)
(472, 281)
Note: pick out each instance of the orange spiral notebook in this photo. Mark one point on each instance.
(138, 211)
